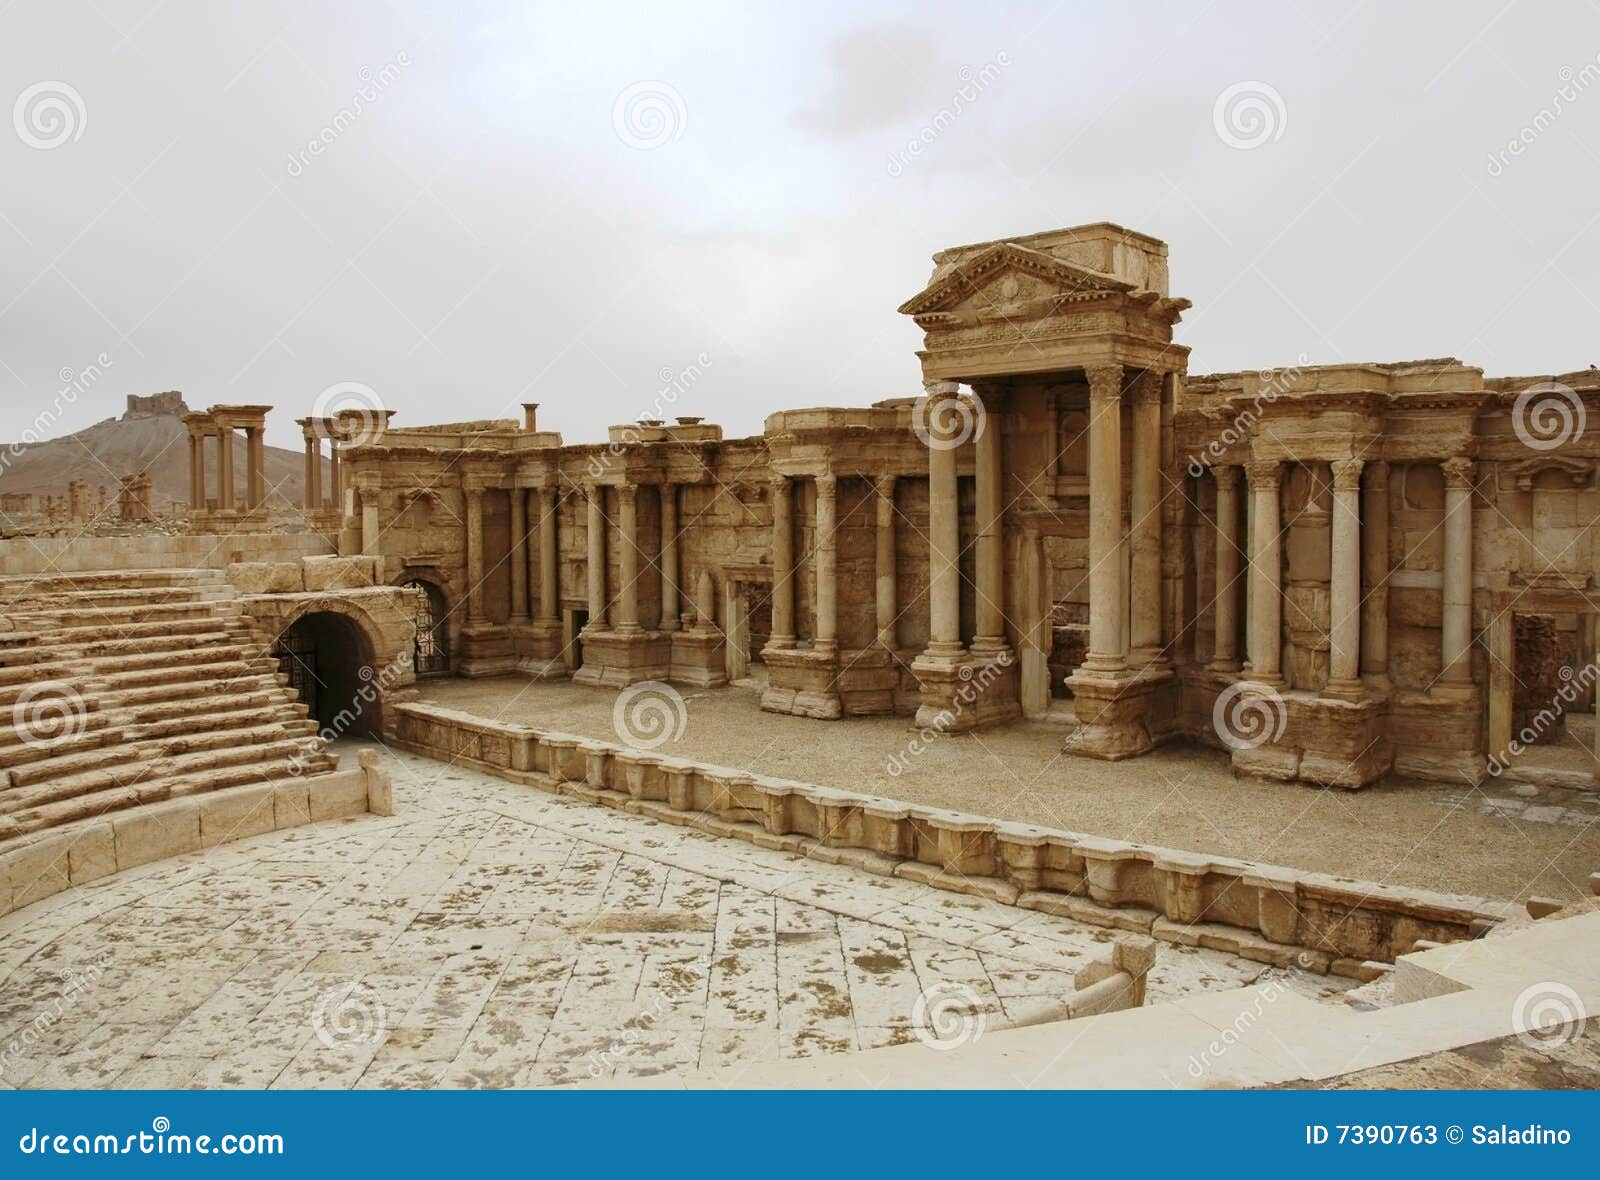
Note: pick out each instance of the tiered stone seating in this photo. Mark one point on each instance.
(160, 686)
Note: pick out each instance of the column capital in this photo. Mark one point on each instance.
(1264, 474)
(1146, 385)
(827, 480)
(1347, 474)
(938, 389)
(1105, 382)
(627, 493)
(884, 485)
(780, 485)
(1226, 475)
(1458, 471)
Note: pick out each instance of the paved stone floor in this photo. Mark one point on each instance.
(494, 935)
(1488, 841)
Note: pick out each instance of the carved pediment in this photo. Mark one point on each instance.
(1579, 471)
(1006, 280)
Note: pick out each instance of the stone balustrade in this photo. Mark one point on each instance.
(1267, 913)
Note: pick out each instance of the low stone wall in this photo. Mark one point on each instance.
(1266, 913)
(51, 862)
(74, 555)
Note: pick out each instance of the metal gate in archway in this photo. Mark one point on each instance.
(432, 654)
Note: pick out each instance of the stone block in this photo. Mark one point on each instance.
(156, 833)
(341, 573)
(334, 796)
(92, 854)
(38, 870)
(265, 577)
(379, 783)
(291, 805)
(235, 814)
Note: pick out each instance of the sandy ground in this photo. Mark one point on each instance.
(1486, 842)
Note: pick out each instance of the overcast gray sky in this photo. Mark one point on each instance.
(564, 203)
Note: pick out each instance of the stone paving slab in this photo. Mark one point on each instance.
(491, 935)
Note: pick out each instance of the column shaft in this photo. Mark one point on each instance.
(887, 592)
(370, 524)
(1225, 645)
(1144, 531)
(1108, 595)
(783, 634)
(225, 468)
(597, 556)
(549, 589)
(670, 598)
(518, 556)
(197, 472)
(628, 529)
(990, 553)
(1375, 573)
(1456, 639)
(826, 565)
(1266, 573)
(474, 556)
(1344, 589)
(335, 492)
(944, 523)
(255, 467)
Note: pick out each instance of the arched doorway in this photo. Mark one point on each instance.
(431, 656)
(328, 660)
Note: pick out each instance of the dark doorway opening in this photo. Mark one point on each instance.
(431, 655)
(329, 665)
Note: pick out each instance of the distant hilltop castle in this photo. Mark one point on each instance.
(156, 405)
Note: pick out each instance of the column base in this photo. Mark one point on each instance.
(615, 659)
(1438, 737)
(802, 683)
(1114, 713)
(968, 690)
(487, 649)
(699, 658)
(538, 649)
(1345, 690)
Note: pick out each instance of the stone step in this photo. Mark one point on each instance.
(90, 581)
(27, 604)
(15, 750)
(224, 714)
(185, 692)
(173, 638)
(123, 668)
(179, 710)
(146, 775)
(82, 634)
(99, 803)
(64, 767)
(116, 616)
(212, 662)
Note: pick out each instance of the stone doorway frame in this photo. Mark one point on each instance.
(1554, 597)
(736, 581)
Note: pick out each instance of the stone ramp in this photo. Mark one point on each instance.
(131, 687)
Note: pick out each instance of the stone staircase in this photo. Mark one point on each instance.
(124, 688)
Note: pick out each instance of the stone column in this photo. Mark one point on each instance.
(549, 572)
(256, 466)
(1344, 587)
(1455, 672)
(369, 522)
(1266, 573)
(474, 555)
(887, 591)
(825, 564)
(670, 597)
(783, 634)
(944, 523)
(307, 473)
(597, 556)
(628, 563)
(1108, 592)
(312, 499)
(1225, 646)
(519, 556)
(197, 470)
(1144, 528)
(335, 490)
(1375, 563)
(990, 555)
(225, 467)
(1034, 649)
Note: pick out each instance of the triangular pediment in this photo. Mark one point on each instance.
(1006, 275)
